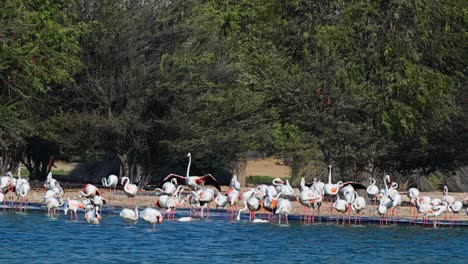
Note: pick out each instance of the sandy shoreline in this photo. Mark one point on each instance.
(146, 198)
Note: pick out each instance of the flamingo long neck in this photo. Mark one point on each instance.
(188, 167)
(104, 182)
(127, 181)
(241, 210)
(329, 175)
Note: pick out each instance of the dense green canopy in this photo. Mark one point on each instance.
(367, 86)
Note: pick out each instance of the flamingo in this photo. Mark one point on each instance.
(396, 198)
(436, 211)
(254, 205)
(168, 188)
(284, 209)
(303, 185)
(448, 198)
(205, 197)
(284, 189)
(413, 194)
(152, 216)
(52, 204)
(341, 206)
(349, 195)
(73, 205)
(110, 182)
(358, 204)
(89, 191)
(385, 201)
(130, 189)
(53, 184)
(221, 200)
(22, 188)
(235, 184)
(6, 184)
(372, 189)
(129, 215)
(455, 208)
(93, 216)
(98, 201)
(193, 182)
(330, 189)
(317, 185)
(423, 206)
(305, 198)
(232, 200)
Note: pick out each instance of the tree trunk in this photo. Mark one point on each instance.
(238, 168)
(8, 161)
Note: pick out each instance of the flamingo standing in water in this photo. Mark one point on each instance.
(93, 217)
(151, 216)
(284, 209)
(73, 206)
(52, 204)
(232, 201)
(22, 189)
(193, 182)
(385, 202)
(331, 189)
(436, 211)
(358, 205)
(129, 215)
(130, 189)
(413, 194)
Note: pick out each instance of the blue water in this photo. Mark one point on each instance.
(32, 237)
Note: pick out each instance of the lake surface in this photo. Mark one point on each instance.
(32, 237)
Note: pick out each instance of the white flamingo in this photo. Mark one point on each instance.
(303, 185)
(284, 209)
(73, 205)
(130, 189)
(358, 205)
(317, 185)
(93, 217)
(372, 189)
(413, 194)
(90, 191)
(168, 188)
(110, 182)
(341, 206)
(193, 182)
(221, 200)
(285, 189)
(52, 204)
(22, 188)
(450, 199)
(235, 184)
(436, 211)
(330, 189)
(152, 216)
(455, 208)
(129, 215)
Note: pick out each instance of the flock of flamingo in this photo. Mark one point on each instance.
(274, 201)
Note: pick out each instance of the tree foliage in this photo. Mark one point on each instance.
(365, 85)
